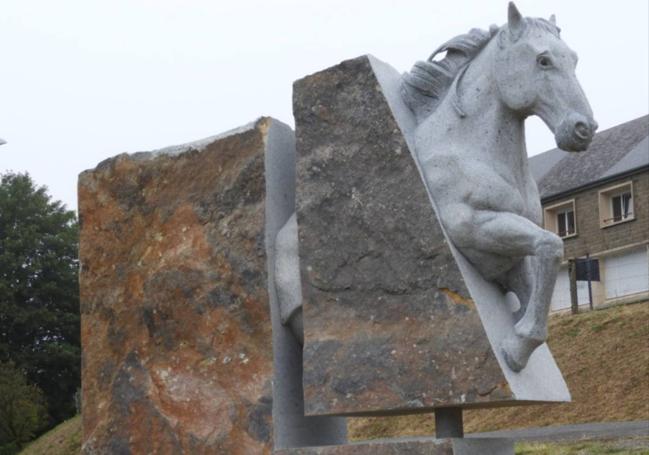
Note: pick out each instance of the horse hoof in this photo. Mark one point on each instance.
(517, 351)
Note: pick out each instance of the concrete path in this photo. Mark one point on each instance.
(605, 430)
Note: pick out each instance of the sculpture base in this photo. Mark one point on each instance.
(412, 446)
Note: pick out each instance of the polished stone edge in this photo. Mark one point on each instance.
(291, 428)
(411, 446)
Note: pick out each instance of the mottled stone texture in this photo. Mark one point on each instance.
(377, 448)
(176, 329)
(414, 446)
(389, 323)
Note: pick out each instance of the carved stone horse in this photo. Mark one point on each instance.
(470, 142)
(470, 108)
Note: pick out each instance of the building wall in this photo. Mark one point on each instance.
(591, 237)
(626, 273)
(561, 294)
(622, 249)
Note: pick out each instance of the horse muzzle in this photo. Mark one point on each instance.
(575, 133)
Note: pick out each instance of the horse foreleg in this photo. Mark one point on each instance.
(520, 281)
(508, 234)
(287, 277)
(532, 328)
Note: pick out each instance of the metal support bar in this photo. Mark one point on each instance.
(448, 423)
(574, 299)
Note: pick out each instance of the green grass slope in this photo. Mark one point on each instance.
(64, 439)
(634, 446)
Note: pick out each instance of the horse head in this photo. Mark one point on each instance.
(535, 75)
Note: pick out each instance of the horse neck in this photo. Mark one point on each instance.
(489, 130)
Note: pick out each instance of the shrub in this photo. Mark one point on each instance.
(22, 409)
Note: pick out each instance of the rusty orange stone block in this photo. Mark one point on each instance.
(176, 331)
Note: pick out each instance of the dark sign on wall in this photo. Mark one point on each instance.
(587, 269)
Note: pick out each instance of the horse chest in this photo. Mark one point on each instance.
(521, 194)
(483, 184)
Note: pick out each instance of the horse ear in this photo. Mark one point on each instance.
(515, 21)
(553, 19)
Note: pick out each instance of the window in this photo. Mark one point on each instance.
(560, 218)
(616, 204)
(620, 206)
(566, 223)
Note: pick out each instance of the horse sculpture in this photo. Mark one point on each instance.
(470, 108)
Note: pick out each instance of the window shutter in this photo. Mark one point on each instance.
(571, 222)
(616, 202)
(561, 224)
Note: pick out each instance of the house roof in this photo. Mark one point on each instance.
(614, 151)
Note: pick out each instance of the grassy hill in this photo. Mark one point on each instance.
(64, 439)
(604, 356)
(633, 446)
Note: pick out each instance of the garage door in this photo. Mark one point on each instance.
(626, 274)
(561, 294)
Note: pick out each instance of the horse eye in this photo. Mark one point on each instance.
(544, 61)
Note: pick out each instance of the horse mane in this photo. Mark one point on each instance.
(428, 82)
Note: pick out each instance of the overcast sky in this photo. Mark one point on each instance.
(83, 80)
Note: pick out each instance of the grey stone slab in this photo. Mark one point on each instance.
(379, 447)
(291, 428)
(412, 446)
(395, 319)
(389, 323)
(464, 446)
(597, 430)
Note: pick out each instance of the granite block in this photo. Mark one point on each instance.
(395, 319)
(412, 446)
(176, 328)
(379, 447)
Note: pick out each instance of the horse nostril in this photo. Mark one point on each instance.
(574, 133)
(582, 130)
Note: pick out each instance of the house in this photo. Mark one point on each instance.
(597, 201)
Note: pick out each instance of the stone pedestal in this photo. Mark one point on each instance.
(412, 446)
(176, 326)
(396, 320)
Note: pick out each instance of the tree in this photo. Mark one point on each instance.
(22, 410)
(39, 294)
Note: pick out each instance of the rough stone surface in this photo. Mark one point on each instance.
(176, 329)
(413, 446)
(290, 426)
(377, 448)
(389, 323)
